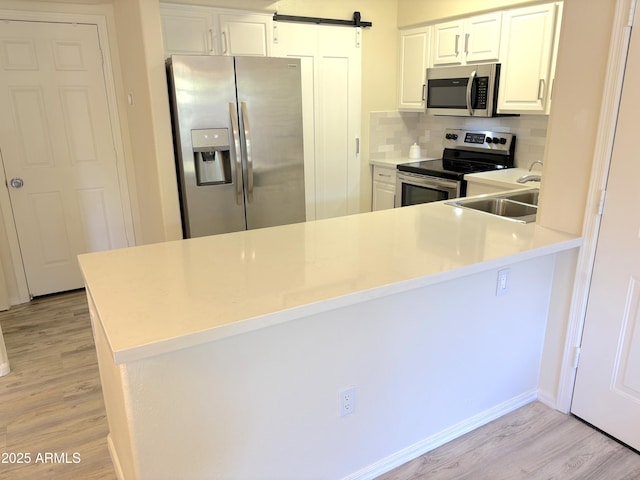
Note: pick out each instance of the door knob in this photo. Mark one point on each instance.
(17, 182)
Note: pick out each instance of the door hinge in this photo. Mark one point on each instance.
(576, 357)
(632, 12)
(603, 196)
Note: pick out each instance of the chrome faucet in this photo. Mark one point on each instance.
(533, 164)
(529, 178)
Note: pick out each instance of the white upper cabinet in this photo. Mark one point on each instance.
(482, 38)
(527, 58)
(189, 29)
(472, 40)
(554, 58)
(446, 43)
(415, 49)
(246, 34)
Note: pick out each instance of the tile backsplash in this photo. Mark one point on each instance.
(392, 133)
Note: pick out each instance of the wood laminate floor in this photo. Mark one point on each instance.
(51, 403)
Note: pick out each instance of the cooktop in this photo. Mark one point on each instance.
(467, 151)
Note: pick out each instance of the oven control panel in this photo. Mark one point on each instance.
(479, 140)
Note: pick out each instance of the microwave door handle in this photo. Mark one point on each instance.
(472, 77)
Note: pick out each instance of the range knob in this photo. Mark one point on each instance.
(451, 136)
(503, 141)
(496, 140)
(489, 140)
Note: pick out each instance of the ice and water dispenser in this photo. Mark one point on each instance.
(211, 156)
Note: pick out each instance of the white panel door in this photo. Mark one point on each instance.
(331, 62)
(299, 41)
(607, 389)
(58, 150)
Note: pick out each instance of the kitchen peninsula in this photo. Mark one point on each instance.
(223, 356)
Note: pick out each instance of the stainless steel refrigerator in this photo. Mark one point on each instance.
(237, 125)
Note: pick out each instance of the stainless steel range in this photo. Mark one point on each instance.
(465, 151)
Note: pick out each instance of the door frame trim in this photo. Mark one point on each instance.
(603, 150)
(100, 22)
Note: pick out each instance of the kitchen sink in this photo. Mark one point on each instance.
(529, 197)
(518, 206)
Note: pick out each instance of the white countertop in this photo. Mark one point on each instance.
(504, 178)
(159, 298)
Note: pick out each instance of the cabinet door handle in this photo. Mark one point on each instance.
(457, 46)
(224, 43)
(466, 43)
(210, 40)
(423, 91)
(540, 88)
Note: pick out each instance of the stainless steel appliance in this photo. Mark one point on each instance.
(463, 91)
(465, 151)
(238, 142)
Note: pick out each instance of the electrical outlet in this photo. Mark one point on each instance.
(502, 286)
(347, 401)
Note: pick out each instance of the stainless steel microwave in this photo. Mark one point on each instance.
(463, 91)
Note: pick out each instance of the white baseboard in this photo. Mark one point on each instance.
(18, 301)
(114, 458)
(549, 400)
(403, 456)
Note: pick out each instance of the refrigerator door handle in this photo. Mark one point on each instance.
(235, 131)
(247, 145)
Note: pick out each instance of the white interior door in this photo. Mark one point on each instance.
(331, 63)
(607, 389)
(58, 150)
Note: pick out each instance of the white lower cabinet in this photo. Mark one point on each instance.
(383, 190)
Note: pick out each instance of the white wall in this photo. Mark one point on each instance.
(265, 404)
(139, 40)
(573, 124)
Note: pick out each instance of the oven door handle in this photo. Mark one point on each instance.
(421, 181)
(472, 77)
(435, 185)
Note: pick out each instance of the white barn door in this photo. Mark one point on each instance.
(331, 72)
(58, 151)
